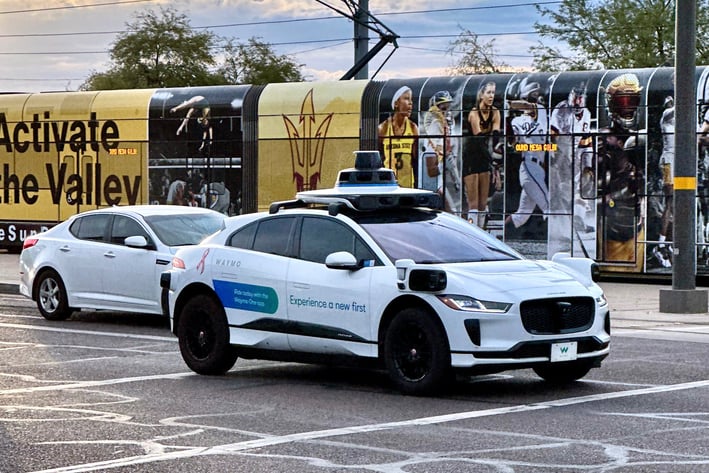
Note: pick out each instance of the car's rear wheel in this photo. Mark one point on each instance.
(52, 300)
(416, 353)
(203, 335)
(563, 372)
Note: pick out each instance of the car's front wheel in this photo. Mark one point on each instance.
(563, 372)
(203, 335)
(52, 300)
(416, 353)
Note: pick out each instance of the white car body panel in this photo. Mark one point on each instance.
(103, 275)
(250, 299)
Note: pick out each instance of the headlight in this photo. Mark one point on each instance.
(470, 304)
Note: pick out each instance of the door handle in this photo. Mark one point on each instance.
(109, 254)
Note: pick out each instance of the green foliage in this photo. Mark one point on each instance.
(614, 34)
(161, 49)
(256, 63)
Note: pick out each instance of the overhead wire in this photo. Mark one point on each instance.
(338, 41)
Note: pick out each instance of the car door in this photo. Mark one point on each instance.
(249, 276)
(329, 308)
(132, 281)
(79, 260)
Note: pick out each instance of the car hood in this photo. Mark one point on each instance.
(514, 280)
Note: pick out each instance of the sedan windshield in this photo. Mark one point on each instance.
(187, 229)
(433, 237)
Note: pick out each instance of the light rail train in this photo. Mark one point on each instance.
(571, 161)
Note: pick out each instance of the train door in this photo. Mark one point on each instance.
(573, 117)
(702, 171)
(528, 152)
(621, 147)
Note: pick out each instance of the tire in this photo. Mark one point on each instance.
(416, 353)
(203, 335)
(563, 372)
(52, 300)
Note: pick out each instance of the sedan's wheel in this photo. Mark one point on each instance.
(203, 335)
(416, 353)
(563, 372)
(51, 297)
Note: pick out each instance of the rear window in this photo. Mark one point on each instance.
(90, 227)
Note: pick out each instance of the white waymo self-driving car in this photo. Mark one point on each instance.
(375, 273)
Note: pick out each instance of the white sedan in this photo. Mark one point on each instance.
(109, 259)
(374, 273)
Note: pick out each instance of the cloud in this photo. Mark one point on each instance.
(38, 53)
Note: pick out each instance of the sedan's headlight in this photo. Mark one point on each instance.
(470, 304)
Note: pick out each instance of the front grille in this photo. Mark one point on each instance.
(557, 316)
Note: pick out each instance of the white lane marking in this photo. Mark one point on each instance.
(90, 384)
(667, 335)
(89, 332)
(359, 429)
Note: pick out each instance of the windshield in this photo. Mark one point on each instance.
(433, 237)
(184, 229)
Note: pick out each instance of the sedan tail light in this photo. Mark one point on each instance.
(29, 243)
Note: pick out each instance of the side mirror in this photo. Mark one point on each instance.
(342, 260)
(137, 241)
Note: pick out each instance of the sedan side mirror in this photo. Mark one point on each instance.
(137, 241)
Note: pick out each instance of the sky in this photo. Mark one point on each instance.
(53, 45)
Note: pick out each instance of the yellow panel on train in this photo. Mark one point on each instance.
(69, 152)
(307, 132)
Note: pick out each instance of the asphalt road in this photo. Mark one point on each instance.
(109, 392)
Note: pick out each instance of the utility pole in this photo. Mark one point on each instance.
(364, 21)
(684, 298)
(361, 38)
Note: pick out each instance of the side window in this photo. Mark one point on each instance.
(244, 237)
(321, 236)
(90, 227)
(123, 227)
(273, 235)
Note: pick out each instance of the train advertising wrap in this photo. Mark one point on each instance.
(306, 134)
(65, 153)
(579, 161)
(196, 146)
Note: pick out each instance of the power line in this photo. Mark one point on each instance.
(73, 7)
(255, 23)
(339, 41)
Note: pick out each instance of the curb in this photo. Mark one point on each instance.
(9, 288)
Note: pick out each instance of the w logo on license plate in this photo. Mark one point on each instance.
(564, 351)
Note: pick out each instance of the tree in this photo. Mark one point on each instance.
(256, 63)
(478, 57)
(158, 50)
(163, 50)
(614, 34)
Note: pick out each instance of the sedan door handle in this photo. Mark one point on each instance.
(301, 285)
(109, 254)
(65, 248)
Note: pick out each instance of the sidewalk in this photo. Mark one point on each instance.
(9, 273)
(632, 305)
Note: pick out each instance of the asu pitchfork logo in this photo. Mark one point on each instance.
(307, 143)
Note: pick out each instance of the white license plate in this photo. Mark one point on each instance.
(564, 351)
